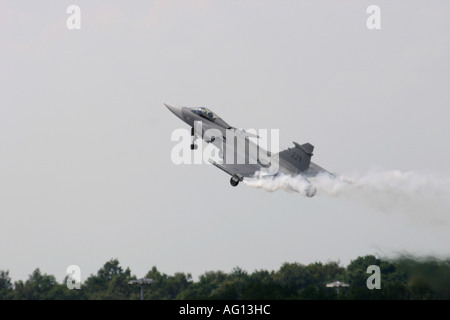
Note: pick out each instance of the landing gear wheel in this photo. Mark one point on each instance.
(310, 191)
(234, 182)
(193, 145)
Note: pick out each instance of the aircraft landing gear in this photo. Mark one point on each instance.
(234, 181)
(310, 191)
(193, 145)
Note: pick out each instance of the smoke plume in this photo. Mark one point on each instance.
(417, 195)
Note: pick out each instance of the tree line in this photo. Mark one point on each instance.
(404, 278)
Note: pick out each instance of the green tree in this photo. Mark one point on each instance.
(110, 283)
(401, 278)
(6, 287)
(293, 276)
(261, 285)
(202, 290)
(37, 287)
(166, 287)
(231, 287)
(321, 274)
(392, 280)
(426, 278)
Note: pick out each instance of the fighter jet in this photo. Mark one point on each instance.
(205, 124)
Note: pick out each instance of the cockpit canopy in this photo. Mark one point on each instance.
(206, 113)
(211, 116)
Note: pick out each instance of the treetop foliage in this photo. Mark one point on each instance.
(402, 278)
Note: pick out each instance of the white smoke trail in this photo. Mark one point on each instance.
(281, 182)
(417, 195)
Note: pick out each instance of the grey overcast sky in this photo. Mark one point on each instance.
(85, 167)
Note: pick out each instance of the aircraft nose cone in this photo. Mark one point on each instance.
(175, 110)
